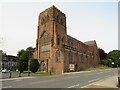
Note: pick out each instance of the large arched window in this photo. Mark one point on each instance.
(45, 41)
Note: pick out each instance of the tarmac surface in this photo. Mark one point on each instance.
(105, 83)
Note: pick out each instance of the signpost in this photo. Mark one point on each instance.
(71, 67)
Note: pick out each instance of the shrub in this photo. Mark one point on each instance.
(34, 65)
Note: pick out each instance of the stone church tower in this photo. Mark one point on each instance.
(56, 50)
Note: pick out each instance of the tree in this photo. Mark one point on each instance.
(115, 57)
(24, 56)
(102, 54)
(107, 62)
(34, 65)
(20, 52)
(21, 66)
(29, 52)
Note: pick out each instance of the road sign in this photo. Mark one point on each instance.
(72, 67)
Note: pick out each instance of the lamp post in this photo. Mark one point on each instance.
(118, 74)
(113, 63)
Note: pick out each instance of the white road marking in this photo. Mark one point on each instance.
(76, 76)
(73, 86)
(17, 80)
(99, 72)
(7, 87)
(107, 76)
(41, 82)
(94, 80)
(85, 86)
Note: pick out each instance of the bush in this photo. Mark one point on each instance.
(21, 66)
(34, 65)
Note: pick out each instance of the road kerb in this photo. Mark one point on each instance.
(15, 78)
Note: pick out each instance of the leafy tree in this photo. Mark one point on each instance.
(24, 56)
(115, 57)
(20, 52)
(34, 65)
(102, 54)
(29, 52)
(21, 66)
(106, 62)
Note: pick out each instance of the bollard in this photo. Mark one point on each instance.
(50, 72)
(19, 74)
(28, 73)
(118, 80)
(10, 74)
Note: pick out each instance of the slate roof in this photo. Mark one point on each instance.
(90, 42)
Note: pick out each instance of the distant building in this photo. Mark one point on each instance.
(9, 62)
(1, 54)
(59, 52)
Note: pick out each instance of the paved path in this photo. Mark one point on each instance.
(108, 82)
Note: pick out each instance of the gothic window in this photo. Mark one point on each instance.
(45, 41)
(82, 57)
(61, 21)
(68, 41)
(47, 18)
(58, 40)
(42, 21)
(58, 56)
(70, 57)
(63, 40)
(57, 18)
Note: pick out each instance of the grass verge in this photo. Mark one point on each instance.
(118, 85)
(101, 67)
(45, 73)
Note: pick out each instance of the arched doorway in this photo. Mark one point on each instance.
(43, 66)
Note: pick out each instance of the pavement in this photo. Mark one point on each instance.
(108, 82)
(20, 78)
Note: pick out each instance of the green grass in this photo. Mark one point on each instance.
(45, 73)
(101, 67)
(37, 73)
(14, 71)
(118, 85)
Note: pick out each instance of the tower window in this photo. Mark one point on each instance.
(70, 57)
(57, 18)
(58, 56)
(58, 40)
(42, 21)
(63, 40)
(61, 21)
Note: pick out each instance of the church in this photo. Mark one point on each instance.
(59, 52)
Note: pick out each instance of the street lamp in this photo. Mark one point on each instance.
(113, 63)
(118, 75)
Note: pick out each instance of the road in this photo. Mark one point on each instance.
(75, 80)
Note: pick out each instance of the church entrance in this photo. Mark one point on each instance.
(44, 66)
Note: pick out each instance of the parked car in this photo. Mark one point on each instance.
(5, 70)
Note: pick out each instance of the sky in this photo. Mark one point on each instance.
(85, 21)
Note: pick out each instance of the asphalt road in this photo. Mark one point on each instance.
(75, 80)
